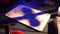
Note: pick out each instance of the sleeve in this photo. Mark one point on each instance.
(52, 29)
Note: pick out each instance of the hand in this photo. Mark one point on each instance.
(59, 11)
(58, 20)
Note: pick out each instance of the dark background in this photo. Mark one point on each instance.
(5, 7)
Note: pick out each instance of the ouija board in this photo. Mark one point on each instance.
(31, 17)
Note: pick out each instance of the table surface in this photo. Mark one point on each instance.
(25, 29)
